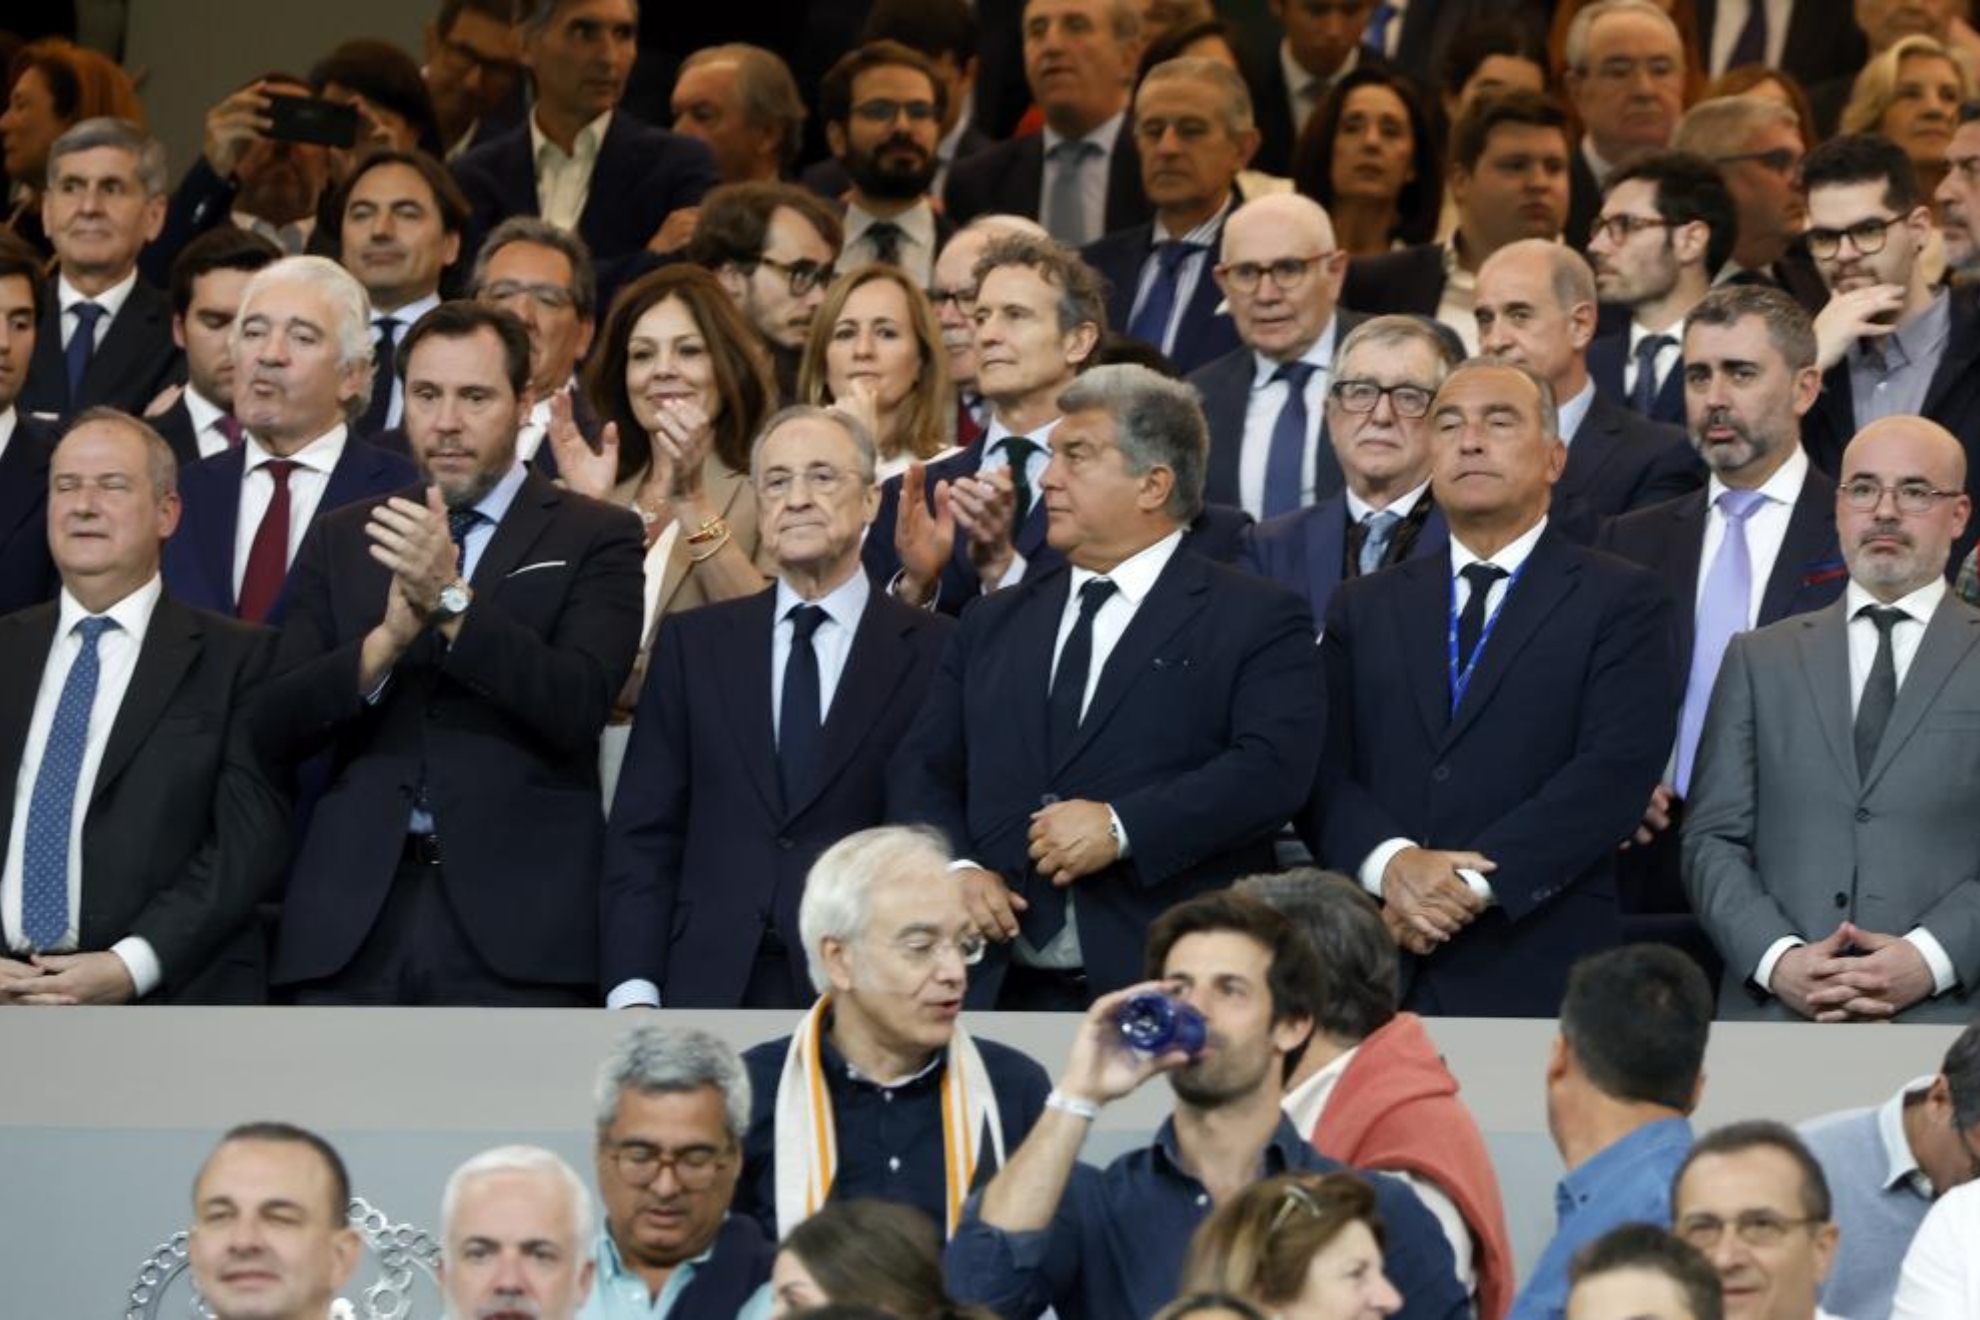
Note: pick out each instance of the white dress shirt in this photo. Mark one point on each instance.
(832, 643)
(1402, 506)
(8, 418)
(206, 418)
(1766, 528)
(536, 427)
(1261, 414)
(917, 242)
(1667, 356)
(403, 317)
(111, 300)
(563, 180)
(307, 480)
(1455, 306)
(1511, 558)
(1092, 177)
(117, 652)
(1940, 1279)
(1906, 635)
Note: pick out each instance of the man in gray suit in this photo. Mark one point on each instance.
(1829, 852)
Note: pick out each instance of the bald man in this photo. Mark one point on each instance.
(1830, 844)
(1281, 273)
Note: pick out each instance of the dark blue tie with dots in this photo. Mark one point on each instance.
(45, 853)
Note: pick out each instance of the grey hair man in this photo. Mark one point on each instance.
(1625, 74)
(545, 276)
(515, 1228)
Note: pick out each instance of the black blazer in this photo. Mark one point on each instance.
(27, 572)
(1819, 47)
(175, 424)
(1203, 335)
(1009, 178)
(185, 829)
(1225, 387)
(199, 559)
(703, 849)
(1271, 103)
(1304, 551)
(1617, 462)
(1584, 199)
(505, 723)
(1545, 767)
(136, 359)
(1409, 280)
(1201, 734)
(1608, 360)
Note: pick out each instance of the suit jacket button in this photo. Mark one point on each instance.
(1441, 773)
(1862, 814)
(786, 843)
(1842, 899)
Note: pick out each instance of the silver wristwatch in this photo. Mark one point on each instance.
(454, 600)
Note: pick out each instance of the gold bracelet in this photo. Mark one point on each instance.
(715, 548)
(713, 530)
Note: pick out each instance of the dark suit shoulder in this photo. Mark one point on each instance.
(1236, 366)
(1410, 279)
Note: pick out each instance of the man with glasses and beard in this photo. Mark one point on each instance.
(1052, 1231)
(882, 105)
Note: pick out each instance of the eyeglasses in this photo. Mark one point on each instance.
(1361, 396)
(926, 950)
(801, 276)
(1756, 1228)
(1866, 236)
(882, 111)
(1622, 228)
(550, 297)
(1912, 497)
(819, 479)
(639, 1163)
(964, 299)
(466, 57)
(1784, 161)
(1295, 1199)
(1287, 273)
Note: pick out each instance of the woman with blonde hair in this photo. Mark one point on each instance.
(1300, 1246)
(1911, 94)
(875, 350)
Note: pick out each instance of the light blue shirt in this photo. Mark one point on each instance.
(620, 1293)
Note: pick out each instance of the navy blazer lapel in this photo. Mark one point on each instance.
(1323, 534)
(1962, 349)
(171, 644)
(1226, 389)
(1605, 363)
(1176, 597)
(1684, 543)
(1422, 615)
(25, 640)
(1034, 636)
(875, 667)
(529, 513)
(139, 317)
(1953, 632)
(1593, 447)
(743, 674)
(218, 525)
(1549, 577)
(1025, 186)
(1809, 542)
(23, 479)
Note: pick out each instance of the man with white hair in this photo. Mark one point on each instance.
(952, 289)
(302, 367)
(514, 1222)
(1625, 75)
(906, 1088)
(672, 1105)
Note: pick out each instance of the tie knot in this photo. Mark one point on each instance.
(1883, 617)
(1073, 151)
(1019, 449)
(1481, 576)
(278, 470)
(1295, 374)
(87, 314)
(1381, 520)
(94, 627)
(1651, 345)
(1094, 594)
(1174, 253)
(805, 620)
(460, 522)
(1739, 505)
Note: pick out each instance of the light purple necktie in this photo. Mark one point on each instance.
(1723, 609)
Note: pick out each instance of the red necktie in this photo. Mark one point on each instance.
(268, 556)
(968, 429)
(230, 426)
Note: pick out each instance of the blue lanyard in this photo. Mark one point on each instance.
(1461, 679)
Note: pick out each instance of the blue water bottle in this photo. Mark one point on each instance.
(1156, 1023)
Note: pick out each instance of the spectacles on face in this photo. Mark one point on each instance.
(801, 276)
(964, 299)
(1756, 1228)
(695, 1167)
(927, 950)
(465, 58)
(880, 111)
(1288, 273)
(1361, 396)
(1620, 229)
(1866, 236)
(820, 479)
(1913, 498)
(550, 297)
(1784, 161)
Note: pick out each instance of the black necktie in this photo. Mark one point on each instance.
(799, 721)
(886, 237)
(1643, 398)
(1873, 708)
(382, 374)
(1063, 708)
(1019, 450)
(1750, 47)
(1471, 622)
(459, 523)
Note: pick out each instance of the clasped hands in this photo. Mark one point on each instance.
(1069, 840)
(66, 978)
(1425, 901)
(1854, 975)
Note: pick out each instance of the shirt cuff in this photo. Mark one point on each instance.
(1944, 977)
(1014, 574)
(1479, 884)
(1763, 975)
(1377, 862)
(141, 961)
(634, 992)
(965, 864)
(1120, 832)
(894, 590)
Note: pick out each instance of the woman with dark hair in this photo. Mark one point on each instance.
(394, 108)
(53, 85)
(1370, 157)
(1301, 1246)
(877, 1255)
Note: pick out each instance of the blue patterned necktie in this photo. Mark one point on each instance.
(45, 852)
(81, 348)
(1381, 529)
(1285, 458)
(1151, 324)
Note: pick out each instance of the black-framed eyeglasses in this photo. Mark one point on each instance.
(1912, 497)
(1288, 273)
(880, 110)
(695, 1167)
(1756, 1228)
(964, 299)
(550, 297)
(1622, 228)
(1361, 396)
(801, 276)
(1784, 161)
(1866, 236)
(491, 66)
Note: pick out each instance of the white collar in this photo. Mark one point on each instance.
(586, 143)
(1402, 505)
(1511, 557)
(917, 222)
(319, 455)
(1134, 577)
(132, 613)
(1783, 487)
(843, 604)
(1102, 136)
(111, 300)
(1320, 353)
(1920, 604)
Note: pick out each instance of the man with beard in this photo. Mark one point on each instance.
(772, 247)
(1958, 196)
(515, 1233)
(882, 105)
(1756, 545)
(1052, 1231)
(1830, 845)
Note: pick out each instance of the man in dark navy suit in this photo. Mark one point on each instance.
(763, 736)
(1756, 545)
(1667, 226)
(208, 279)
(1385, 375)
(580, 162)
(27, 573)
(1119, 734)
(302, 367)
(473, 70)
(1500, 716)
(1193, 120)
(1625, 73)
(1536, 307)
(544, 275)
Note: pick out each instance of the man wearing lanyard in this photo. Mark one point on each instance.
(1499, 708)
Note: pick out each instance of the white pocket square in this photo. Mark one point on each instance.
(546, 563)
